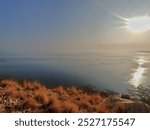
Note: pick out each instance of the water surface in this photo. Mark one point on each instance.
(115, 71)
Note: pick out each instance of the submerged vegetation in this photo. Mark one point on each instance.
(31, 96)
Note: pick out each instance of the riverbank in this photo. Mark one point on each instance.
(31, 96)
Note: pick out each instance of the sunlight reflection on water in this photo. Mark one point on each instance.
(137, 77)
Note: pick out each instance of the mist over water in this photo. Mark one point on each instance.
(103, 70)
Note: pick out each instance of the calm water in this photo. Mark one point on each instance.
(110, 71)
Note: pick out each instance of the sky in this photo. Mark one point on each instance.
(47, 26)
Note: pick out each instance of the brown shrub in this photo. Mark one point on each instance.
(41, 97)
(31, 85)
(19, 94)
(13, 93)
(60, 91)
(31, 103)
(73, 90)
(68, 107)
(103, 107)
(96, 99)
(2, 109)
(14, 85)
(85, 106)
(54, 104)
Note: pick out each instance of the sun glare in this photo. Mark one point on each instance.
(138, 24)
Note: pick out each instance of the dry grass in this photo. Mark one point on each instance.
(31, 96)
(2, 109)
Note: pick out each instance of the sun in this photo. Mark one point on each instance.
(138, 24)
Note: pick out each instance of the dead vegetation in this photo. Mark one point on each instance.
(31, 96)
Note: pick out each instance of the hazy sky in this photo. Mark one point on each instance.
(70, 25)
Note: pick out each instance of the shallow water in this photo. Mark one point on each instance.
(103, 70)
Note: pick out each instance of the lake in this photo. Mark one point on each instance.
(115, 71)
